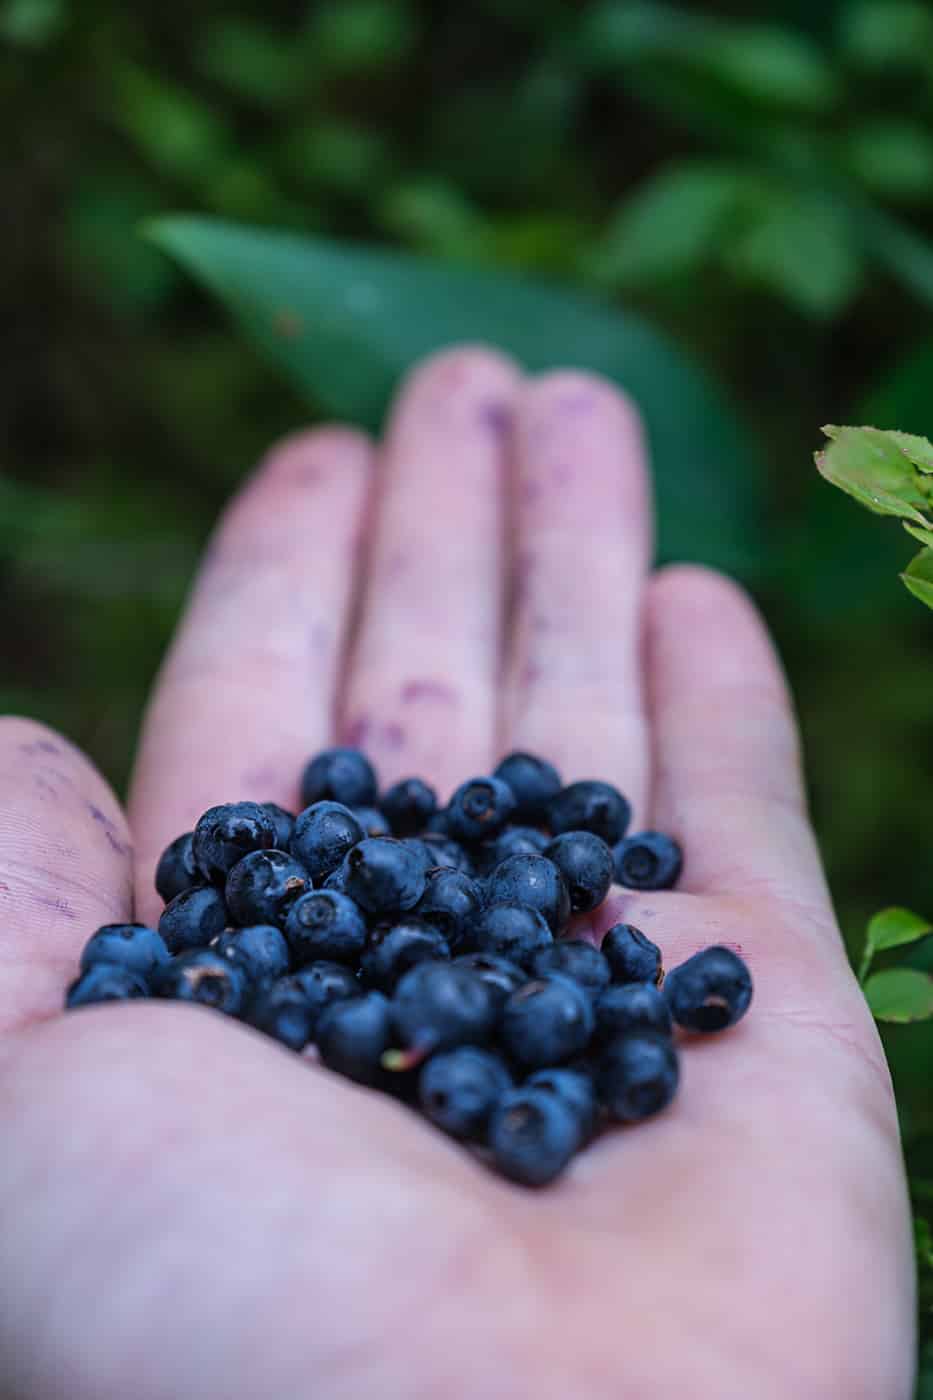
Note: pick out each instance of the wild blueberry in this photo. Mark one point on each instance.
(512, 931)
(353, 1035)
(373, 822)
(479, 809)
(585, 862)
(444, 852)
(325, 924)
(637, 1075)
(534, 881)
(263, 886)
(323, 835)
(409, 806)
(393, 949)
(533, 1134)
(647, 861)
(458, 1090)
(575, 959)
(590, 806)
(450, 901)
(324, 982)
(176, 870)
(193, 918)
(513, 841)
(284, 1011)
(499, 974)
(284, 823)
(710, 991)
(437, 1006)
(202, 975)
(339, 775)
(577, 1091)
(227, 833)
(534, 782)
(548, 1020)
(437, 824)
(260, 949)
(133, 946)
(633, 1006)
(383, 876)
(631, 956)
(336, 880)
(106, 982)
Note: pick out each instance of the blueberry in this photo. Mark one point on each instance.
(648, 861)
(534, 881)
(512, 931)
(202, 975)
(534, 782)
(353, 1035)
(383, 876)
(548, 1020)
(513, 841)
(106, 982)
(325, 924)
(263, 886)
(323, 835)
(284, 1011)
(458, 1090)
(324, 982)
(637, 1075)
(585, 862)
(631, 956)
(444, 852)
(260, 949)
(438, 1006)
(501, 975)
(533, 1134)
(373, 822)
(392, 950)
(437, 824)
(450, 901)
(409, 806)
(133, 946)
(336, 880)
(284, 823)
(339, 775)
(227, 833)
(575, 959)
(590, 806)
(176, 870)
(710, 991)
(193, 918)
(633, 1006)
(577, 1091)
(479, 809)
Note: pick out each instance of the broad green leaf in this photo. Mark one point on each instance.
(882, 34)
(918, 450)
(801, 249)
(359, 36)
(867, 464)
(178, 132)
(918, 576)
(892, 928)
(251, 60)
(893, 158)
(31, 23)
(919, 533)
(900, 994)
(346, 321)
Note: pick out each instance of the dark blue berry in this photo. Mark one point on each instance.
(436, 824)
(534, 782)
(637, 1075)
(575, 959)
(585, 862)
(450, 901)
(323, 835)
(590, 806)
(193, 918)
(284, 823)
(325, 924)
(176, 870)
(512, 931)
(409, 806)
(479, 809)
(225, 834)
(106, 982)
(263, 886)
(534, 881)
(260, 949)
(631, 956)
(203, 976)
(458, 1090)
(632, 1006)
(384, 876)
(373, 822)
(284, 1011)
(501, 975)
(336, 880)
(577, 1091)
(443, 852)
(545, 1022)
(514, 841)
(533, 1134)
(133, 946)
(339, 775)
(393, 949)
(648, 861)
(353, 1035)
(710, 991)
(324, 982)
(438, 1006)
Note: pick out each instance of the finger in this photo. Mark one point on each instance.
(583, 525)
(421, 691)
(248, 688)
(728, 783)
(65, 866)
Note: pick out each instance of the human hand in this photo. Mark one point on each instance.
(188, 1210)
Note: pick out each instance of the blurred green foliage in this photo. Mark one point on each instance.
(755, 178)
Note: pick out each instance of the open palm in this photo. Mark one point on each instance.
(188, 1210)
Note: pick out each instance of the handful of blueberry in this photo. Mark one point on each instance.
(420, 949)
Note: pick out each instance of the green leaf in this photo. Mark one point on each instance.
(801, 249)
(893, 158)
(918, 576)
(885, 34)
(900, 994)
(179, 134)
(918, 450)
(31, 23)
(870, 466)
(891, 928)
(346, 321)
(251, 60)
(923, 535)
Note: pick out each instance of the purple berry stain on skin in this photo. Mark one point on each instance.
(56, 903)
(437, 691)
(496, 417)
(103, 820)
(40, 746)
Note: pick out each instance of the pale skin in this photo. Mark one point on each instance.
(188, 1210)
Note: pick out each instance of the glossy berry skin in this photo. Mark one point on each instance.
(339, 775)
(372, 821)
(324, 982)
(459, 1090)
(577, 1091)
(284, 823)
(534, 782)
(336, 880)
(203, 976)
(637, 1075)
(590, 806)
(445, 853)
(534, 881)
(575, 959)
(409, 806)
(513, 841)
(479, 809)
(634, 1006)
(225, 834)
(512, 931)
(133, 946)
(710, 991)
(262, 887)
(325, 924)
(545, 1022)
(440, 1006)
(384, 876)
(500, 975)
(353, 1035)
(450, 902)
(585, 862)
(106, 982)
(260, 949)
(631, 956)
(193, 918)
(533, 1134)
(396, 948)
(650, 860)
(284, 1011)
(324, 833)
(176, 870)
